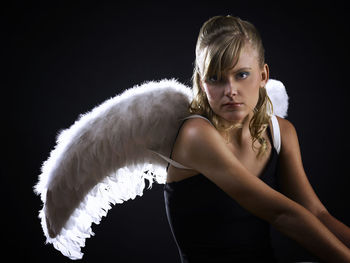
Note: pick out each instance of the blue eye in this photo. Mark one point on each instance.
(242, 75)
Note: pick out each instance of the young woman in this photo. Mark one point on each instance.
(221, 202)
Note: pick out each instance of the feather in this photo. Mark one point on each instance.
(105, 157)
(278, 96)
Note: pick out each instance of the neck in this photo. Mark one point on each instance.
(240, 134)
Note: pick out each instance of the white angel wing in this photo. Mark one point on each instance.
(104, 158)
(278, 96)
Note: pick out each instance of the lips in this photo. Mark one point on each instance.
(233, 104)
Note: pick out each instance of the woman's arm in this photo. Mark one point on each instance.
(201, 147)
(341, 231)
(295, 185)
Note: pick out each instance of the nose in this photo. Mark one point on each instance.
(230, 89)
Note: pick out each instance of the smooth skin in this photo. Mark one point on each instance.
(234, 167)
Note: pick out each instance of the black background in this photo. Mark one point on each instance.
(62, 59)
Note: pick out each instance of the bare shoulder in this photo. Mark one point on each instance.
(195, 132)
(195, 136)
(289, 137)
(194, 129)
(285, 125)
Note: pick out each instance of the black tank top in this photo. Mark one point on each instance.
(209, 226)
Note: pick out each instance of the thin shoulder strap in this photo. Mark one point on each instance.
(172, 162)
(197, 116)
(276, 133)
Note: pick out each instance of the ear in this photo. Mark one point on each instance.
(264, 75)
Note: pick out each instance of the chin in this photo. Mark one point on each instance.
(234, 116)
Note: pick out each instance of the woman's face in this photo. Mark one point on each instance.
(236, 94)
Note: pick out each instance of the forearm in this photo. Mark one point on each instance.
(341, 231)
(302, 226)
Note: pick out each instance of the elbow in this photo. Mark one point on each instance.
(286, 223)
(321, 213)
(280, 220)
(325, 217)
(287, 219)
(294, 221)
(317, 209)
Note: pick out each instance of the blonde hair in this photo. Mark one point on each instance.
(219, 45)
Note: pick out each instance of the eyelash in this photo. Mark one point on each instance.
(239, 75)
(213, 79)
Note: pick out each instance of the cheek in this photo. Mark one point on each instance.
(213, 95)
(252, 89)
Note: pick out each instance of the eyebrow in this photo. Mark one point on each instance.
(237, 70)
(243, 68)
